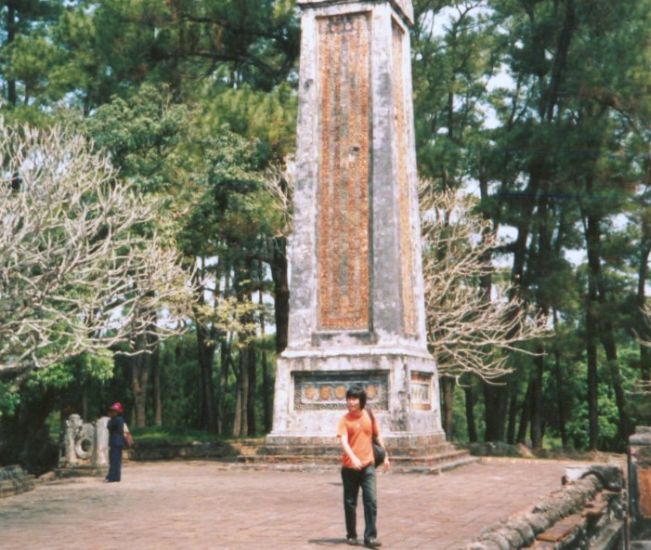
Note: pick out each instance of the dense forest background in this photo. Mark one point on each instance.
(535, 112)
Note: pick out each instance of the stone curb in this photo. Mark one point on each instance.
(560, 520)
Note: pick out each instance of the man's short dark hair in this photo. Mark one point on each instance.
(357, 391)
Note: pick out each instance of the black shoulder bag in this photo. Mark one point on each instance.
(378, 451)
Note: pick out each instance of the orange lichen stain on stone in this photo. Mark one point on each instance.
(343, 198)
(644, 483)
(402, 148)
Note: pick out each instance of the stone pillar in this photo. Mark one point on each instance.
(73, 425)
(639, 476)
(357, 310)
(101, 448)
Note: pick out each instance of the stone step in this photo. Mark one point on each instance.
(424, 464)
(332, 450)
(301, 463)
(429, 459)
(437, 468)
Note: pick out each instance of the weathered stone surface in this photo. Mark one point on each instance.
(357, 312)
(403, 7)
(611, 478)
(73, 425)
(101, 448)
(562, 520)
(85, 443)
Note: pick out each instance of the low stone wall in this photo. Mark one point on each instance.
(14, 480)
(588, 512)
(222, 450)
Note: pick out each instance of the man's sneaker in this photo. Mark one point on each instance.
(372, 543)
(351, 540)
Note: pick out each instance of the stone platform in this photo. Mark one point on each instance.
(188, 505)
(419, 455)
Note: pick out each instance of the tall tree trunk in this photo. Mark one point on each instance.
(591, 225)
(496, 401)
(266, 383)
(471, 399)
(84, 399)
(495, 394)
(537, 400)
(593, 406)
(205, 356)
(513, 413)
(12, 96)
(156, 382)
(240, 427)
(625, 425)
(525, 415)
(561, 398)
(645, 363)
(447, 393)
(225, 364)
(250, 401)
(281, 292)
(139, 382)
(267, 394)
(206, 349)
(238, 421)
(642, 325)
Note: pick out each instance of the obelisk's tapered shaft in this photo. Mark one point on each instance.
(357, 301)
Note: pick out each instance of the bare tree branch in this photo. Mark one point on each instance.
(468, 331)
(77, 265)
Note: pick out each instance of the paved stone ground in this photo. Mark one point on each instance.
(204, 505)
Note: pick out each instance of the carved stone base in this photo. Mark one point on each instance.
(403, 394)
(401, 384)
(407, 453)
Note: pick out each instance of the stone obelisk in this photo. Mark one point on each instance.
(357, 310)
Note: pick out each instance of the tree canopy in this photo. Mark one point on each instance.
(533, 118)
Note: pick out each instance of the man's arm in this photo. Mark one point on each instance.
(357, 463)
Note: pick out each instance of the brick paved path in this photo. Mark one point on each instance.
(202, 505)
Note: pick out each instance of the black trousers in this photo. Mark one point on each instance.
(353, 480)
(115, 464)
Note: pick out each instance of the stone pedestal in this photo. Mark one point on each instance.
(357, 297)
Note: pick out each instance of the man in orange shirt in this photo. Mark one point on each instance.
(356, 430)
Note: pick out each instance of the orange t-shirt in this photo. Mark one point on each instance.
(360, 430)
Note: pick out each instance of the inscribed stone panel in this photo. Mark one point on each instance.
(402, 152)
(343, 199)
(327, 390)
(421, 391)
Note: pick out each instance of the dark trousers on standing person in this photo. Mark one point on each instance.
(353, 480)
(115, 464)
